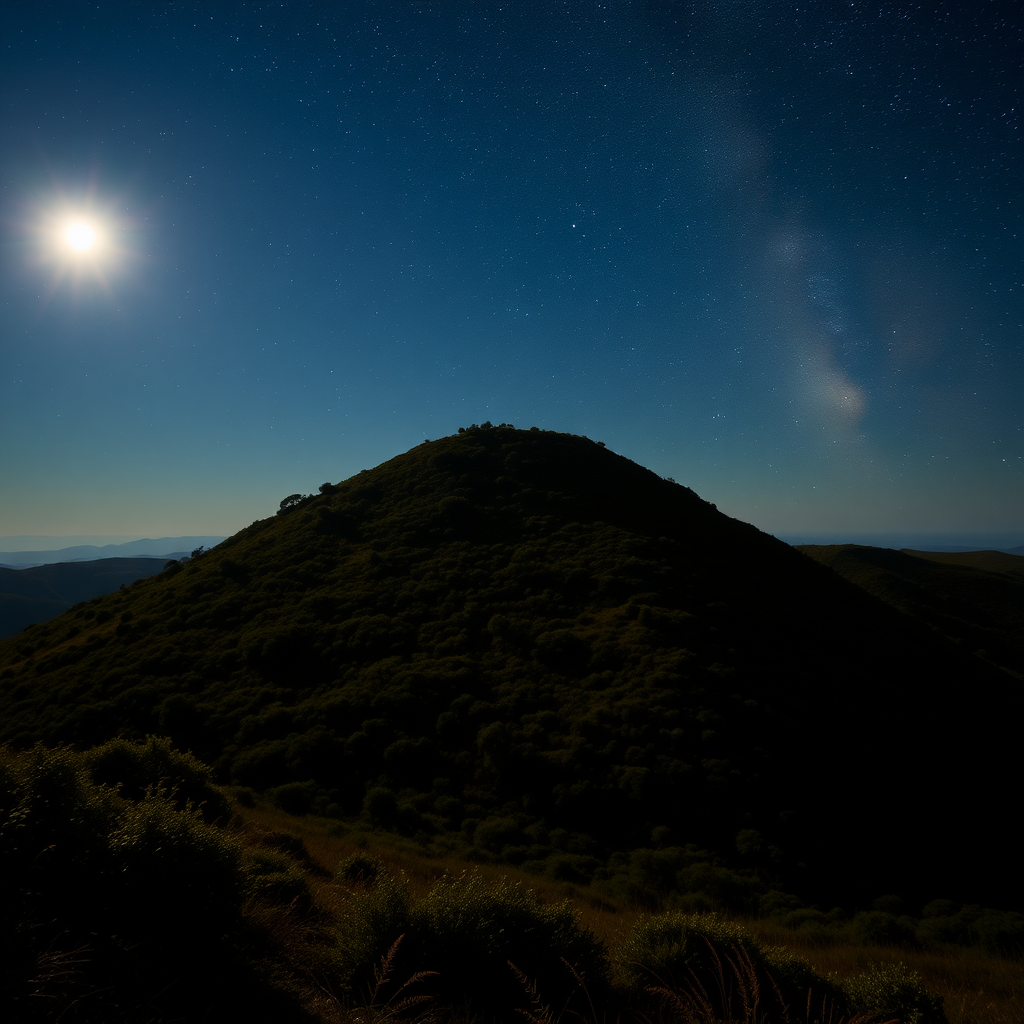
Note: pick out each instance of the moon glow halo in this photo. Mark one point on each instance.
(79, 246)
(80, 236)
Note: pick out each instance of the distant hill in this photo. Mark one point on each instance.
(1006, 541)
(975, 598)
(1009, 562)
(34, 595)
(520, 642)
(164, 547)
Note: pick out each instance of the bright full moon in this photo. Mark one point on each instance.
(80, 236)
(80, 243)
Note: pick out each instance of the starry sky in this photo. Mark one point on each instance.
(771, 250)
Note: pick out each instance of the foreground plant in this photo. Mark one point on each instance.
(701, 969)
(379, 1007)
(462, 934)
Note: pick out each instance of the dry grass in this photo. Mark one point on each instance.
(977, 988)
(606, 919)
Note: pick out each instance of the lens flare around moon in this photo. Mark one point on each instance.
(81, 236)
(78, 244)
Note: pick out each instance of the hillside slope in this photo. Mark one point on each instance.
(43, 591)
(520, 638)
(975, 598)
(994, 561)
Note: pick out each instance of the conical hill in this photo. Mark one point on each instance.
(528, 643)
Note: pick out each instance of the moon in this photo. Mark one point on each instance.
(80, 236)
(80, 243)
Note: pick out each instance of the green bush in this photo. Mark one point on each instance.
(243, 796)
(997, 931)
(358, 868)
(667, 949)
(571, 867)
(294, 797)
(469, 930)
(880, 928)
(147, 888)
(375, 918)
(483, 925)
(169, 862)
(896, 992)
(380, 806)
(700, 962)
(493, 834)
(272, 877)
(133, 768)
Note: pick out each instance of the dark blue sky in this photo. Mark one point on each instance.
(771, 251)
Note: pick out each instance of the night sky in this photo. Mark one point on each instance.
(772, 250)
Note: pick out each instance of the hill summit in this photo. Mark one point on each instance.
(547, 653)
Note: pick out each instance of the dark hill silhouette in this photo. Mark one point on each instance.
(993, 561)
(524, 640)
(40, 593)
(975, 598)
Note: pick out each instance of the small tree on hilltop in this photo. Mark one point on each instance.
(292, 501)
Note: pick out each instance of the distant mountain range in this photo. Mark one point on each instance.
(520, 644)
(1006, 542)
(165, 547)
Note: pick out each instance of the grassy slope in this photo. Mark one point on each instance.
(121, 903)
(536, 646)
(977, 987)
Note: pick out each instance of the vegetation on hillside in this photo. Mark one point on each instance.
(522, 647)
(123, 900)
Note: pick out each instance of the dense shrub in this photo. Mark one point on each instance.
(127, 902)
(167, 864)
(997, 931)
(942, 922)
(294, 797)
(375, 918)
(358, 868)
(54, 828)
(469, 930)
(879, 928)
(703, 962)
(380, 806)
(894, 991)
(133, 768)
(273, 877)
(680, 878)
